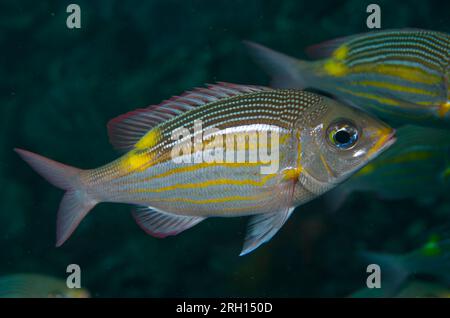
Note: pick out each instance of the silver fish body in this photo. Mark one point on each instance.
(180, 172)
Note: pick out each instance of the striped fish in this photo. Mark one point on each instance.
(429, 261)
(400, 75)
(168, 172)
(37, 286)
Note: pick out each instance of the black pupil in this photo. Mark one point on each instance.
(342, 137)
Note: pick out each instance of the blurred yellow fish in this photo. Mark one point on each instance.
(37, 286)
(414, 288)
(401, 75)
(397, 270)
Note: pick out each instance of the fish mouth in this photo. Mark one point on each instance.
(390, 140)
(383, 143)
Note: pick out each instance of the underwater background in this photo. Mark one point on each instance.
(59, 87)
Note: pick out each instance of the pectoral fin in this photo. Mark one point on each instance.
(161, 224)
(263, 227)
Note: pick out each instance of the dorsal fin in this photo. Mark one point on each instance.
(126, 130)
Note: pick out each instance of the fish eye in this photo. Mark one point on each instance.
(342, 135)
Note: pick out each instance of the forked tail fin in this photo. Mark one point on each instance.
(76, 202)
(286, 71)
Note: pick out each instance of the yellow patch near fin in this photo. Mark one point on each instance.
(335, 65)
(335, 68)
(341, 52)
(140, 158)
(444, 109)
(136, 160)
(149, 140)
(291, 174)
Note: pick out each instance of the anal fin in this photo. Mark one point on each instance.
(162, 224)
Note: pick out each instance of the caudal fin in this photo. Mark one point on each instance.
(286, 71)
(76, 202)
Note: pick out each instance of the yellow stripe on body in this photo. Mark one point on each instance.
(382, 100)
(141, 158)
(242, 209)
(394, 87)
(409, 73)
(195, 167)
(215, 200)
(208, 183)
(336, 67)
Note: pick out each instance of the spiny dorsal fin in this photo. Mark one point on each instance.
(161, 224)
(126, 130)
